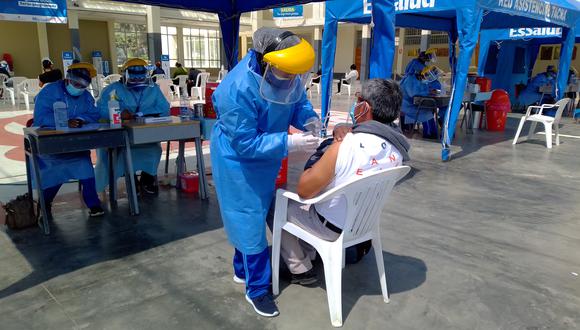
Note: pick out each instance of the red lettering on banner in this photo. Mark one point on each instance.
(359, 171)
(374, 162)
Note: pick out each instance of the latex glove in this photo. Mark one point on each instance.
(313, 125)
(302, 142)
(75, 123)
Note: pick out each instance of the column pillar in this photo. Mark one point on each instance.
(75, 37)
(43, 41)
(113, 47)
(244, 45)
(317, 48)
(400, 51)
(154, 33)
(365, 53)
(180, 46)
(425, 34)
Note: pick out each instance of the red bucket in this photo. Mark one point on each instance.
(189, 182)
(282, 177)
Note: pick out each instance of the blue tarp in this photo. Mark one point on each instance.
(462, 19)
(228, 11)
(505, 73)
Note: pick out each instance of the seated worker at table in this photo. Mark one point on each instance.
(58, 169)
(138, 96)
(425, 83)
(531, 94)
(418, 64)
(374, 144)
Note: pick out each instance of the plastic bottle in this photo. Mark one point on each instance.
(60, 115)
(184, 112)
(114, 111)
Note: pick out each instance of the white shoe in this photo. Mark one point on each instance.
(238, 280)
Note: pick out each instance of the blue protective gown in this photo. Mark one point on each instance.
(415, 66)
(146, 157)
(58, 169)
(249, 141)
(531, 95)
(412, 87)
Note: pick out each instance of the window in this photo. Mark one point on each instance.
(556, 53)
(491, 63)
(201, 48)
(169, 43)
(519, 65)
(546, 53)
(130, 41)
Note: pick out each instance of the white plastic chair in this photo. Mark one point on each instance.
(165, 86)
(4, 89)
(111, 79)
(312, 83)
(548, 121)
(158, 76)
(200, 84)
(14, 91)
(221, 75)
(181, 89)
(29, 88)
(365, 198)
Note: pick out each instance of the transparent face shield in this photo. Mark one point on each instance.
(137, 77)
(431, 76)
(283, 88)
(432, 57)
(77, 81)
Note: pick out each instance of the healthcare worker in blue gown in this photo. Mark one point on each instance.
(531, 94)
(425, 83)
(256, 103)
(138, 96)
(418, 64)
(58, 169)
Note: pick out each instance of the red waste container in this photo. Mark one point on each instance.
(496, 110)
(484, 84)
(208, 110)
(189, 182)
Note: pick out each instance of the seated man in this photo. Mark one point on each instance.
(58, 169)
(192, 79)
(374, 144)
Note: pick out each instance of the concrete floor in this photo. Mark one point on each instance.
(490, 240)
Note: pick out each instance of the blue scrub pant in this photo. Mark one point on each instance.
(89, 190)
(256, 270)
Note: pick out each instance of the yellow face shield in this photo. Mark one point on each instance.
(297, 59)
(84, 65)
(134, 62)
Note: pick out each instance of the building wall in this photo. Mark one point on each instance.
(94, 36)
(541, 65)
(345, 48)
(20, 39)
(58, 41)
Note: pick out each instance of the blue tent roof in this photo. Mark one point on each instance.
(461, 19)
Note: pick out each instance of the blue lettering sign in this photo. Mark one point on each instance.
(47, 11)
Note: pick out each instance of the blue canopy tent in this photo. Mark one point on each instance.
(463, 20)
(508, 56)
(359, 12)
(228, 12)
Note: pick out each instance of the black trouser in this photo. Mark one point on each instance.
(340, 84)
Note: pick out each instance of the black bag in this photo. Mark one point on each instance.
(20, 212)
(355, 253)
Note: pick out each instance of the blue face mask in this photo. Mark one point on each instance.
(351, 113)
(73, 91)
